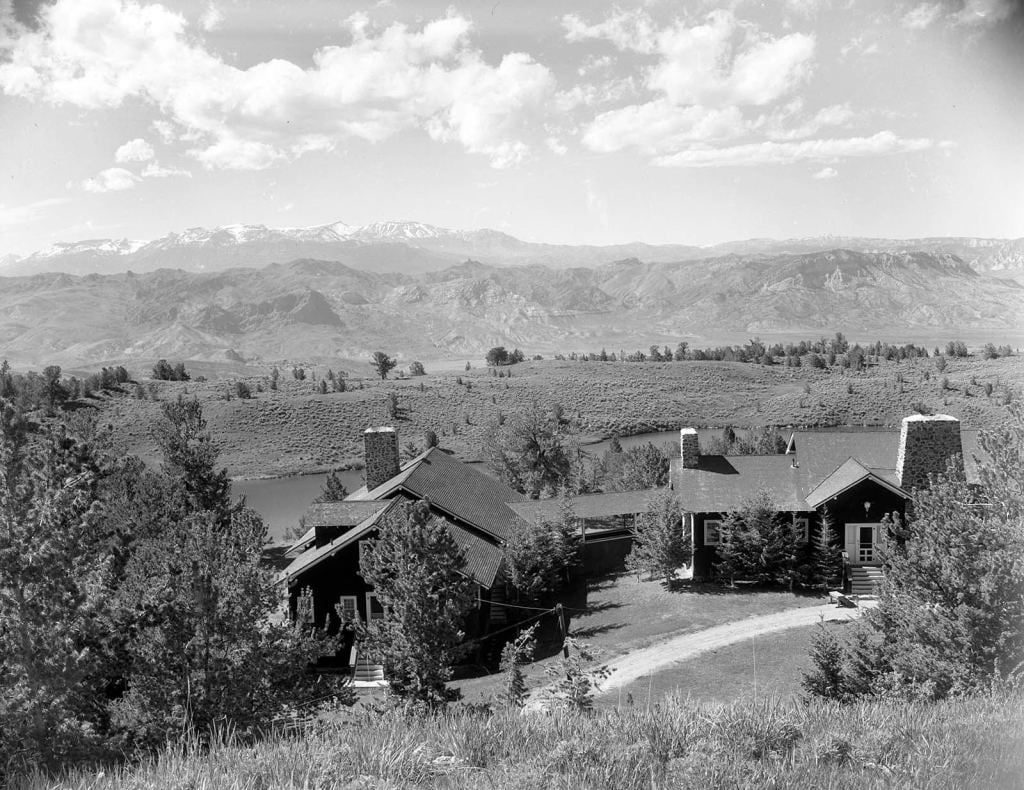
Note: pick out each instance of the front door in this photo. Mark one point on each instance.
(862, 543)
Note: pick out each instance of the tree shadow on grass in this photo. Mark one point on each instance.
(594, 630)
(739, 590)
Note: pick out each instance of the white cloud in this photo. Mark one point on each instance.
(785, 123)
(137, 150)
(166, 130)
(859, 45)
(99, 53)
(659, 126)
(825, 173)
(211, 18)
(627, 30)
(985, 12)
(719, 62)
(113, 179)
(703, 78)
(555, 146)
(922, 16)
(156, 170)
(773, 153)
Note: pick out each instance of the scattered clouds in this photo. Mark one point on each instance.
(211, 18)
(723, 92)
(765, 153)
(922, 16)
(825, 173)
(99, 53)
(704, 79)
(968, 13)
(556, 146)
(859, 45)
(113, 179)
(156, 170)
(984, 13)
(137, 150)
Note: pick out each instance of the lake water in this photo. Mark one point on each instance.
(282, 500)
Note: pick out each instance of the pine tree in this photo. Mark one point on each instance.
(660, 543)
(334, 490)
(55, 558)
(417, 569)
(514, 655)
(827, 563)
(197, 600)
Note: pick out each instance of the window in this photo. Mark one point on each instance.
(364, 546)
(712, 532)
(346, 609)
(804, 526)
(374, 608)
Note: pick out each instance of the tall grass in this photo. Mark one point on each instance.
(954, 744)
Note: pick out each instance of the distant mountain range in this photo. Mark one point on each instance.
(313, 310)
(414, 247)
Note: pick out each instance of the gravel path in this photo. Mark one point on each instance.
(644, 661)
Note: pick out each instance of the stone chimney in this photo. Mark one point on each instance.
(689, 448)
(380, 452)
(926, 444)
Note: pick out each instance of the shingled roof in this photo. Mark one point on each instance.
(817, 466)
(619, 503)
(721, 483)
(455, 488)
(820, 453)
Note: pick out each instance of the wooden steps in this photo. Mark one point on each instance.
(367, 672)
(864, 579)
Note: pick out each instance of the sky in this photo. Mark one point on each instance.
(556, 121)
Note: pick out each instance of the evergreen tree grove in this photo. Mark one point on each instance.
(950, 618)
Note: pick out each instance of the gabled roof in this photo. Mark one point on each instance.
(457, 489)
(619, 503)
(817, 466)
(483, 559)
(722, 483)
(333, 514)
(312, 557)
(849, 474)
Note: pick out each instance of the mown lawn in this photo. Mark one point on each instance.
(620, 614)
(765, 667)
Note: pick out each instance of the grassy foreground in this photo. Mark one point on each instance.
(973, 743)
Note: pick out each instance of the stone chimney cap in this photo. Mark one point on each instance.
(930, 418)
(381, 429)
(687, 431)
